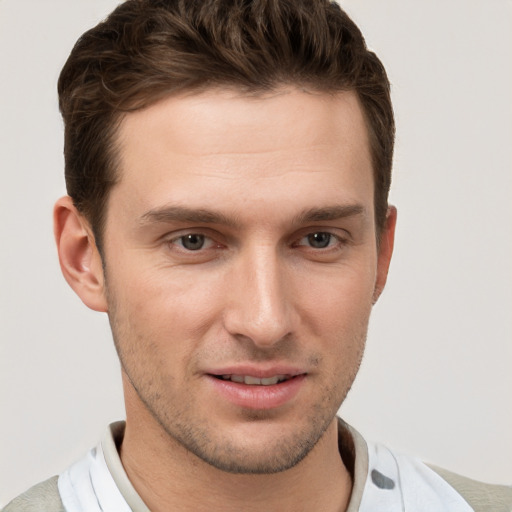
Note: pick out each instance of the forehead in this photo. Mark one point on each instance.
(218, 147)
(221, 118)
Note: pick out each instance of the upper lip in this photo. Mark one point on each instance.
(259, 372)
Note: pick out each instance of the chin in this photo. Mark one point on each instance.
(259, 447)
(246, 460)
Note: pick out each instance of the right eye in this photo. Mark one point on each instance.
(193, 246)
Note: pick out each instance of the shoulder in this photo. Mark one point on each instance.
(481, 496)
(43, 497)
(407, 483)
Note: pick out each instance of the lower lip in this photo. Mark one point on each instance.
(258, 397)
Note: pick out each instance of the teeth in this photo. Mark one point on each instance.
(270, 381)
(252, 381)
(255, 381)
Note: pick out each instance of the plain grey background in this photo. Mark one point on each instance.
(436, 380)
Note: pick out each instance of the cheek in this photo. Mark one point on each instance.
(165, 306)
(338, 300)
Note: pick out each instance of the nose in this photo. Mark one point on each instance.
(259, 306)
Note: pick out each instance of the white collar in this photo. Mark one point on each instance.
(382, 480)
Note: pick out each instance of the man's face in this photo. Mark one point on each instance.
(241, 267)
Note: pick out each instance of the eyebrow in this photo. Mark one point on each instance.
(329, 213)
(169, 214)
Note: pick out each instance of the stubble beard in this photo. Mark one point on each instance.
(208, 444)
(198, 436)
(218, 450)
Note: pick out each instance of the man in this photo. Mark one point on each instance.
(228, 166)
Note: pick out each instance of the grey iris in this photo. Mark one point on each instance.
(319, 240)
(193, 242)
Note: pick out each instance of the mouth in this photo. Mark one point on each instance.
(255, 381)
(257, 387)
(265, 390)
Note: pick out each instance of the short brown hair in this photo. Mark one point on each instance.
(148, 49)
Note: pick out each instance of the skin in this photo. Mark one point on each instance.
(280, 267)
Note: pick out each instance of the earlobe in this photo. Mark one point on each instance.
(385, 251)
(79, 258)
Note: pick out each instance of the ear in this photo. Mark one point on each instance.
(385, 251)
(79, 258)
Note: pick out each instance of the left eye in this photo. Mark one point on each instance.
(319, 240)
(193, 241)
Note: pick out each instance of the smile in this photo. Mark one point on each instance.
(255, 381)
(258, 393)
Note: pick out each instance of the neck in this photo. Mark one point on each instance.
(167, 476)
